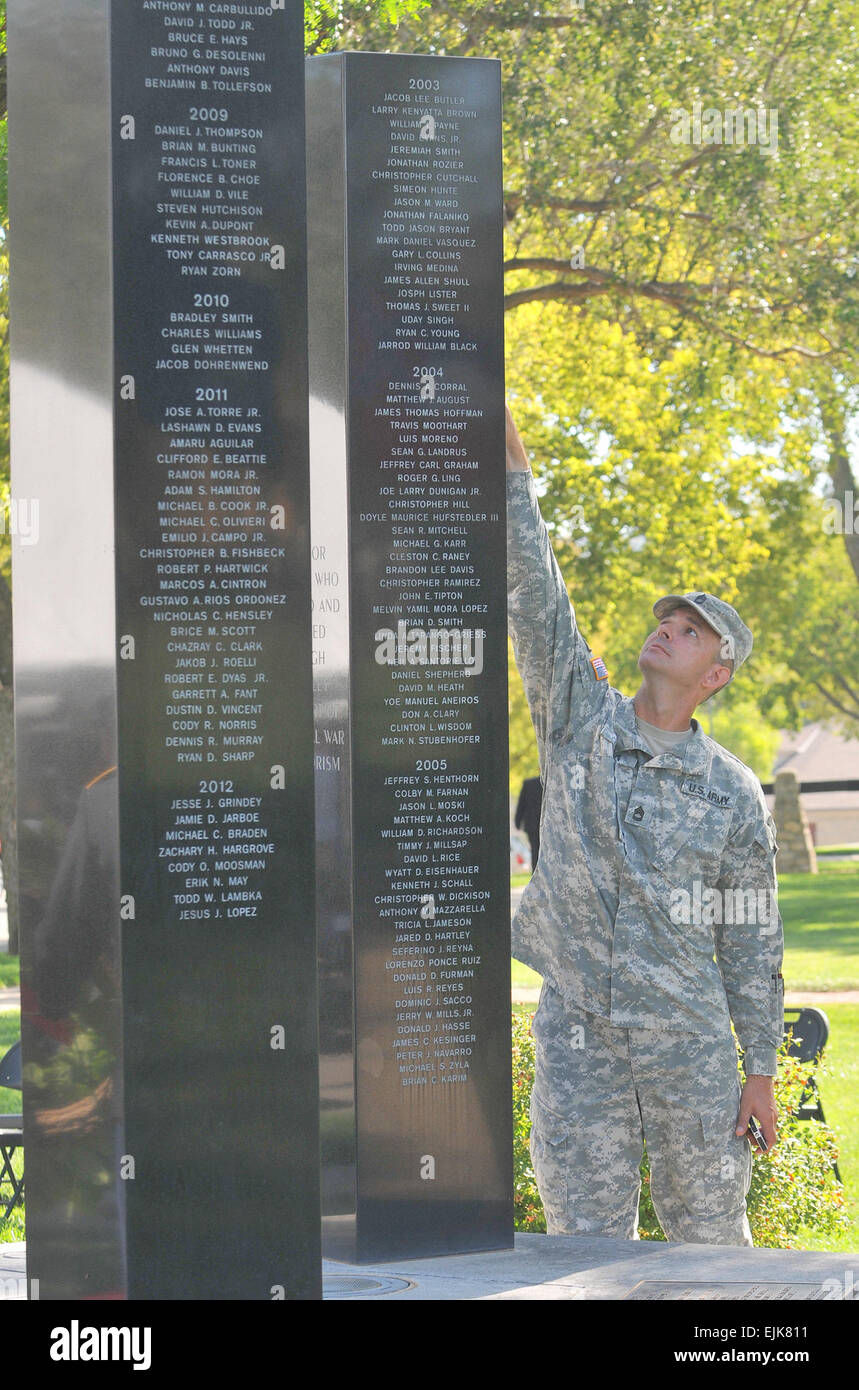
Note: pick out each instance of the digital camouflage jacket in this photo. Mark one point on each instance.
(653, 904)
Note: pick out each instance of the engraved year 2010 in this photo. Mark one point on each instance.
(424, 84)
(211, 301)
(209, 113)
(216, 786)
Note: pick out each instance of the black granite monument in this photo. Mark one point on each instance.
(163, 648)
(410, 653)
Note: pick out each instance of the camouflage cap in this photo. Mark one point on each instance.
(721, 617)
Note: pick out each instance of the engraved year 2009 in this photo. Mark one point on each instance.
(209, 113)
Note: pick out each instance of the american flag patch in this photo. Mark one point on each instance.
(599, 668)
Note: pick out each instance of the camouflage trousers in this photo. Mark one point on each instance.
(600, 1092)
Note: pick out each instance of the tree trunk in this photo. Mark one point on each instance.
(846, 489)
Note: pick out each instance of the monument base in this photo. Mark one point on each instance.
(592, 1268)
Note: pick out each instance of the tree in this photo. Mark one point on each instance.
(681, 194)
(324, 19)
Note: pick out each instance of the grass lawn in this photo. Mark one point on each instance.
(8, 970)
(821, 927)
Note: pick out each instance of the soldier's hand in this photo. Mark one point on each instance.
(758, 1099)
(517, 459)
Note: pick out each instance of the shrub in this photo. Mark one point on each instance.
(527, 1207)
(792, 1187)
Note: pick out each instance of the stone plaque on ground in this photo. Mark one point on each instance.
(165, 704)
(658, 1291)
(410, 653)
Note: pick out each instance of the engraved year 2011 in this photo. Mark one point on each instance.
(216, 786)
(210, 393)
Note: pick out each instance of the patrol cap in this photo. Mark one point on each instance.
(721, 617)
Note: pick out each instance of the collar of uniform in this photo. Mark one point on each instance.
(621, 729)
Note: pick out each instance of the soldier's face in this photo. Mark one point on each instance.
(684, 648)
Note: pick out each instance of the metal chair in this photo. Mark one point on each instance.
(808, 1030)
(11, 1130)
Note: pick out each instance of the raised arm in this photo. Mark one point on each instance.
(561, 683)
(517, 459)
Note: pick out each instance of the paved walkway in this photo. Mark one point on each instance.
(574, 1269)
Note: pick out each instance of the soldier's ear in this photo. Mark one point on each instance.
(717, 677)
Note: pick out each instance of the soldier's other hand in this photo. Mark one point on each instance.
(517, 459)
(758, 1099)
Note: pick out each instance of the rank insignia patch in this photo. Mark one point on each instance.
(599, 668)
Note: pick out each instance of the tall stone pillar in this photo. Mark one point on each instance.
(410, 653)
(162, 639)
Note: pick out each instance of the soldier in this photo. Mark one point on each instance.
(528, 811)
(651, 915)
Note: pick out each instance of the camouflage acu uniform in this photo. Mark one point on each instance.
(652, 918)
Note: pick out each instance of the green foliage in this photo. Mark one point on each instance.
(795, 1187)
(12, 1229)
(527, 1207)
(739, 726)
(792, 1188)
(324, 19)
